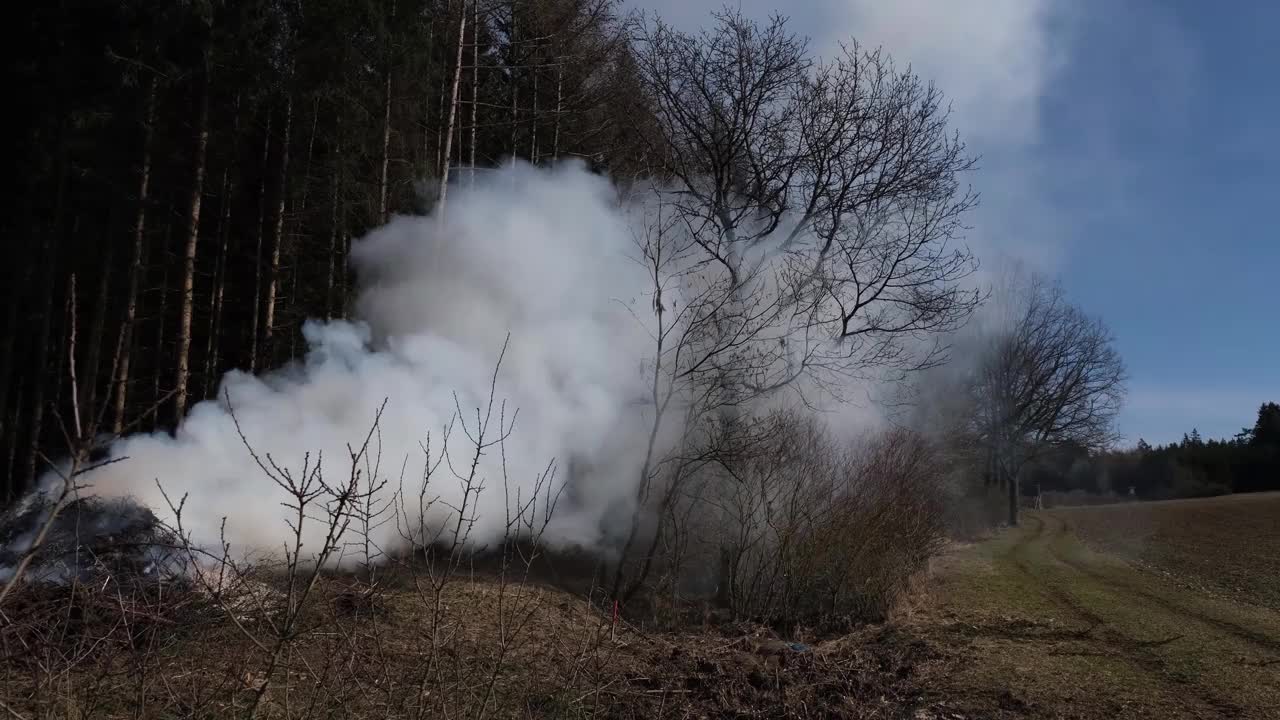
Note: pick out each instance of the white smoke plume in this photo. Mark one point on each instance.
(541, 255)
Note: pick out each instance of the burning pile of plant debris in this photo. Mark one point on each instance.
(89, 537)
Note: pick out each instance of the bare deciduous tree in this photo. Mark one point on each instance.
(834, 185)
(1050, 375)
(803, 226)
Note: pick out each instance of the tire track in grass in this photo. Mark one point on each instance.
(1235, 630)
(1053, 592)
(1138, 653)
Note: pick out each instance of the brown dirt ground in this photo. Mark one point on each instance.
(1074, 633)
(1227, 546)
(1031, 623)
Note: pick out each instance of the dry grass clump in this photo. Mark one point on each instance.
(500, 650)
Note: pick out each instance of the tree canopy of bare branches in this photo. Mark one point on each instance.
(1050, 376)
(823, 197)
(802, 228)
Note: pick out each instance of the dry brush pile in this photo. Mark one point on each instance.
(811, 537)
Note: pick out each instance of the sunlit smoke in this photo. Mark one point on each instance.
(539, 255)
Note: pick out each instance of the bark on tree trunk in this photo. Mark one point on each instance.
(475, 82)
(333, 251)
(257, 253)
(182, 373)
(439, 169)
(386, 152)
(73, 329)
(12, 489)
(555, 138)
(515, 92)
(453, 112)
(135, 268)
(383, 179)
(426, 169)
(50, 252)
(211, 364)
(97, 330)
(156, 397)
(335, 221)
(311, 144)
(346, 273)
(7, 351)
(533, 112)
(277, 237)
(131, 309)
(293, 303)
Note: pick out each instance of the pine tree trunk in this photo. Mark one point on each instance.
(515, 86)
(182, 373)
(211, 363)
(97, 330)
(346, 274)
(257, 251)
(135, 268)
(73, 329)
(427, 169)
(49, 248)
(13, 488)
(311, 145)
(156, 396)
(555, 138)
(333, 251)
(8, 342)
(277, 237)
(533, 112)
(295, 314)
(383, 178)
(475, 82)
(440, 163)
(453, 112)
(335, 221)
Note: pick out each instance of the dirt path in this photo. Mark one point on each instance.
(1069, 632)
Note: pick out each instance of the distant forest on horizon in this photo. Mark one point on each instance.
(1191, 467)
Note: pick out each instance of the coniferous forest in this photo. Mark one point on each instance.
(187, 177)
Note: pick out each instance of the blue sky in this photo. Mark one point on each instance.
(1177, 105)
(1131, 148)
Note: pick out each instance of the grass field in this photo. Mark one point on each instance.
(1159, 610)
(1163, 610)
(1228, 546)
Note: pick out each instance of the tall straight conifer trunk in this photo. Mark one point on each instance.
(182, 370)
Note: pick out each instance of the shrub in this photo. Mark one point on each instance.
(807, 532)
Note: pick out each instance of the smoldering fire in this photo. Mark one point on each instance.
(540, 255)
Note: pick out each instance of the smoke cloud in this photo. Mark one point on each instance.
(541, 255)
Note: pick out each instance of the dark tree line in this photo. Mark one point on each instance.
(1192, 467)
(1248, 462)
(187, 176)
